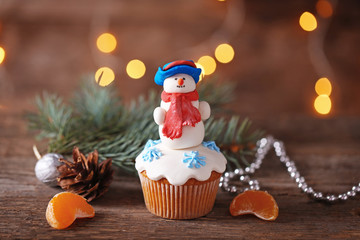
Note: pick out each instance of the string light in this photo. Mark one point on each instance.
(322, 104)
(104, 76)
(106, 42)
(224, 53)
(198, 65)
(308, 22)
(324, 8)
(208, 63)
(135, 69)
(2, 55)
(323, 87)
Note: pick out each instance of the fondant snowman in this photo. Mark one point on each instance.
(180, 113)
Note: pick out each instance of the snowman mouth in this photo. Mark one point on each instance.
(178, 86)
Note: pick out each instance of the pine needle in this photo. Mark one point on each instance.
(96, 118)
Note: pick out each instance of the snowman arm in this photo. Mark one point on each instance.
(204, 109)
(159, 115)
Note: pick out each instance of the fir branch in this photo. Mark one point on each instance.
(217, 95)
(53, 119)
(98, 119)
(97, 106)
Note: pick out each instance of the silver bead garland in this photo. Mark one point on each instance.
(264, 145)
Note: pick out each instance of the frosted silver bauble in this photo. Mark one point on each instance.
(46, 168)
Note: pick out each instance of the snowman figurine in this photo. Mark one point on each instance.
(180, 113)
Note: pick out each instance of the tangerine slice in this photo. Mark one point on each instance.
(65, 207)
(258, 203)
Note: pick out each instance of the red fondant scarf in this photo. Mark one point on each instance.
(181, 113)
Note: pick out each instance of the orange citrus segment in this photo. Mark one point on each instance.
(65, 207)
(258, 203)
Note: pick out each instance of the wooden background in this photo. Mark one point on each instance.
(49, 47)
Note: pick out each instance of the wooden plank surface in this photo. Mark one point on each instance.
(121, 213)
(50, 46)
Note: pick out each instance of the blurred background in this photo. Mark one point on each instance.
(275, 52)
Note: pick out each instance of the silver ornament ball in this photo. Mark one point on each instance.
(46, 168)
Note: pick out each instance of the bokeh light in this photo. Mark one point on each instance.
(135, 69)
(198, 65)
(208, 63)
(324, 8)
(2, 55)
(104, 76)
(224, 53)
(322, 104)
(106, 42)
(308, 22)
(323, 87)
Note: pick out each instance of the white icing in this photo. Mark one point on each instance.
(171, 166)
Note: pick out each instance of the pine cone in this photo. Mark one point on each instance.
(85, 176)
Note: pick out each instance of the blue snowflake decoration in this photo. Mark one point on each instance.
(150, 143)
(194, 160)
(151, 153)
(211, 145)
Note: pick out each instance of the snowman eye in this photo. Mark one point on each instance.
(183, 78)
(175, 78)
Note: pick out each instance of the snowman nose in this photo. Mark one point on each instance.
(180, 81)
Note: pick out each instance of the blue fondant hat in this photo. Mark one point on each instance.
(172, 68)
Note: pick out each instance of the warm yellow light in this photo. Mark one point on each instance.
(208, 64)
(323, 87)
(106, 42)
(322, 104)
(135, 69)
(308, 22)
(104, 76)
(324, 8)
(198, 65)
(224, 53)
(2, 55)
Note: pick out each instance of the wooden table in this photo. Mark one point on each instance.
(50, 46)
(121, 213)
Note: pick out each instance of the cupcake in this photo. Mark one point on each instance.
(180, 173)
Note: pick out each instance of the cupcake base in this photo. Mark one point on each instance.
(192, 200)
